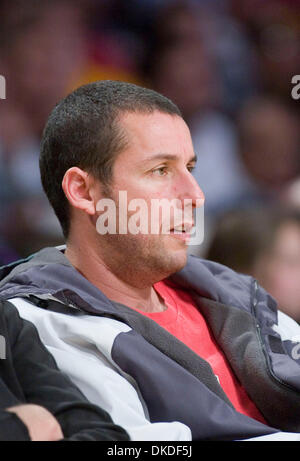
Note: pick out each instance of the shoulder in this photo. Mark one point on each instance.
(217, 282)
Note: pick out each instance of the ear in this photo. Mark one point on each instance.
(77, 186)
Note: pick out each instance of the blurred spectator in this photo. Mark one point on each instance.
(115, 42)
(264, 243)
(266, 170)
(292, 196)
(179, 64)
(46, 49)
(269, 147)
(273, 27)
(42, 47)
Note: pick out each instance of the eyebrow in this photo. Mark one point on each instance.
(166, 156)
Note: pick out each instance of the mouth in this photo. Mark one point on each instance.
(182, 232)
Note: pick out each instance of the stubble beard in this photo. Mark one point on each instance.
(141, 259)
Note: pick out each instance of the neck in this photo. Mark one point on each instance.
(90, 264)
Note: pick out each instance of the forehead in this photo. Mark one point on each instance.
(155, 133)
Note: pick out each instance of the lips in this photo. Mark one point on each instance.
(182, 232)
(182, 228)
(182, 236)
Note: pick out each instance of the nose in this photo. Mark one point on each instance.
(189, 188)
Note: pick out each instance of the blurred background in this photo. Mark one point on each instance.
(228, 64)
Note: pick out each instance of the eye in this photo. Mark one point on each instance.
(190, 168)
(161, 171)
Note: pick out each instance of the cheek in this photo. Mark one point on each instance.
(289, 280)
(283, 281)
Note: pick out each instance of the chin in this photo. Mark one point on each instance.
(176, 262)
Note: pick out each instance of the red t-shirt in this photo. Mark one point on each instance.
(184, 321)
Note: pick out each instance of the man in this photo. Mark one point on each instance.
(175, 348)
(38, 402)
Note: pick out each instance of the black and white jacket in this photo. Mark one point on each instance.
(152, 384)
(29, 375)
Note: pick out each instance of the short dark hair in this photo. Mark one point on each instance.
(83, 131)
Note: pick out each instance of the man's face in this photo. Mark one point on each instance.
(155, 165)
